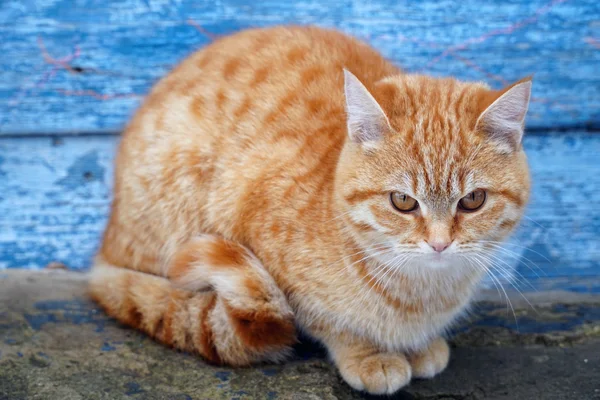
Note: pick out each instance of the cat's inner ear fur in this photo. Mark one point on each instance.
(503, 121)
(367, 123)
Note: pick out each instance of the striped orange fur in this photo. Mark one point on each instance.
(253, 192)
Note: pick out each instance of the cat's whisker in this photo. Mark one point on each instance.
(472, 264)
(502, 244)
(339, 216)
(534, 221)
(387, 270)
(485, 267)
(393, 269)
(510, 275)
(343, 267)
(379, 270)
(509, 302)
(382, 267)
(532, 266)
(506, 273)
(496, 247)
(513, 281)
(494, 257)
(376, 246)
(510, 281)
(397, 268)
(371, 255)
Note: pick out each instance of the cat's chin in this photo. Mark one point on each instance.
(438, 261)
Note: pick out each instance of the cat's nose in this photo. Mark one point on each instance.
(439, 245)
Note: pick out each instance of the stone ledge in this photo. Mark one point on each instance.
(55, 344)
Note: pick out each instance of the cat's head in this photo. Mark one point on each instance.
(433, 169)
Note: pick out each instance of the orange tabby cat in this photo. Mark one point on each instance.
(292, 177)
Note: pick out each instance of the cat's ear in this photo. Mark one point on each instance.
(504, 120)
(367, 123)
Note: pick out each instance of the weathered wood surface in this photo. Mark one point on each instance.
(69, 67)
(82, 66)
(55, 193)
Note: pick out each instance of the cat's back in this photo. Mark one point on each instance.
(257, 82)
(245, 120)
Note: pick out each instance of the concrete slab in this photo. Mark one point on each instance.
(55, 344)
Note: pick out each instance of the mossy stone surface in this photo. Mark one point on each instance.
(55, 344)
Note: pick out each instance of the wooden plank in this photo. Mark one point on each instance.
(55, 193)
(70, 67)
(54, 198)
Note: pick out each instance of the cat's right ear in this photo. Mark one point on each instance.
(367, 123)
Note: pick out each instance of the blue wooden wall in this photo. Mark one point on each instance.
(73, 71)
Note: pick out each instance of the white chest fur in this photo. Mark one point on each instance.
(401, 317)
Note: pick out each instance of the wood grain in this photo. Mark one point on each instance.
(71, 67)
(55, 193)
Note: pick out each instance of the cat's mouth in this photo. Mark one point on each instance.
(417, 258)
(439, 260)
(437, 256)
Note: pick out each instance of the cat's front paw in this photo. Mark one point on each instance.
(381, 373)
(430, 361)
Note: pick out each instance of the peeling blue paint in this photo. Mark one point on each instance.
(107, 347)
(84, 170)
(2, 173)
(223, 375)
(75, 312)
(583, 289)
(55, 191)
(137, 47)
(37, 321)
(269, 371)
(44, 221)
(572, 317)
(485, 314)
(132, 388)
(65, 225)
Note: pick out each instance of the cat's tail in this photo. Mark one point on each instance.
(217, 300)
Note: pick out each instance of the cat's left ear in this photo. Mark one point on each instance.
(504, 120)
(367, 123)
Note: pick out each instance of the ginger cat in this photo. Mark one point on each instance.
(291, 177)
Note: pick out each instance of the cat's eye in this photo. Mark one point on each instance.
(403, 202)
(473, 201)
